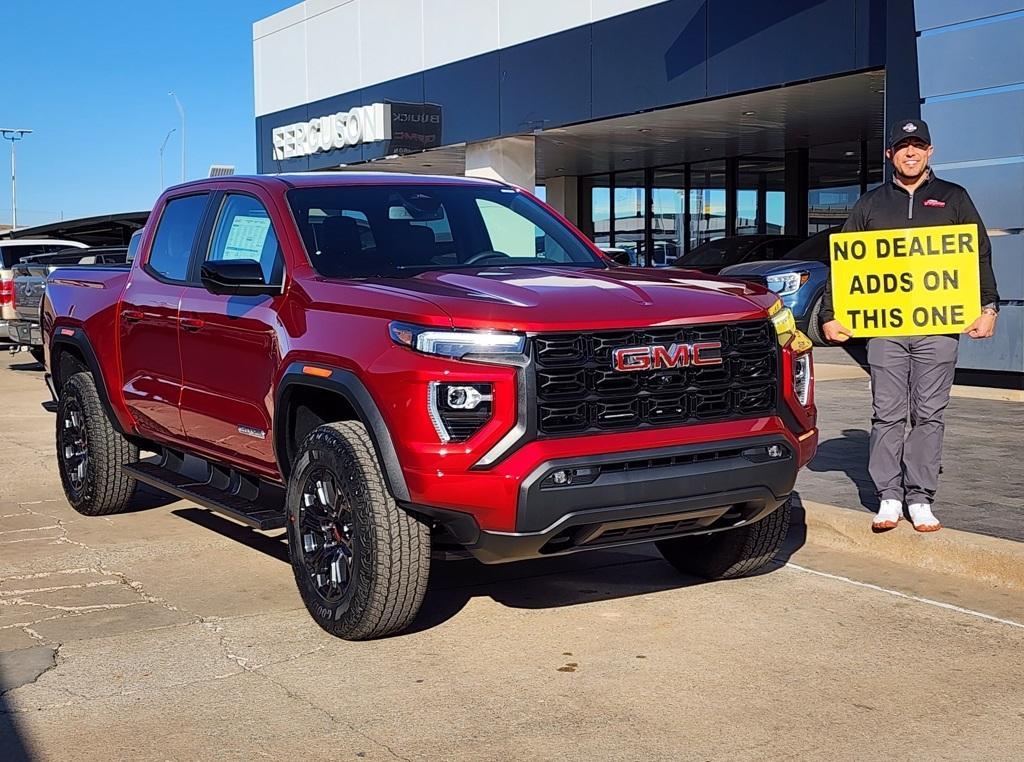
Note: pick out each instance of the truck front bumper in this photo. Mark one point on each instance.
(586, 502)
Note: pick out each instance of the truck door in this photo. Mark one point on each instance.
(148, 320)
(230, 345)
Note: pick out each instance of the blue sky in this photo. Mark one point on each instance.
(91, 79)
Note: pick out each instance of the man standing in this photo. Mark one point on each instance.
(915, 374)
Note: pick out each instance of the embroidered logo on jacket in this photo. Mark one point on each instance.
(934, 202)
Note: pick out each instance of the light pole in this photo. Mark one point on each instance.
(181, 113)
(162, 146)
(14, 135)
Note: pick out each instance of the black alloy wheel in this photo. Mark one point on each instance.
(326, 534)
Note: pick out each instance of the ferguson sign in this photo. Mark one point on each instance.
(363, 124)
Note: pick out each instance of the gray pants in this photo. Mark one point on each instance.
(909, 377)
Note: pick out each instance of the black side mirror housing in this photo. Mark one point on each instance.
(621, 257)
(236, 277)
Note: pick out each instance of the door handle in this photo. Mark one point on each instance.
(192, 324)
(132, 316)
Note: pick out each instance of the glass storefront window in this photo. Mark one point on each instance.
(599, 189)
(707, 202)
(834, 181)
(668, 219)
(761, 194)
(630, 223)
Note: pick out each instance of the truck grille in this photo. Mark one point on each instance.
(578, 390)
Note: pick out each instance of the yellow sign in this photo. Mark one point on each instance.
(912, 282)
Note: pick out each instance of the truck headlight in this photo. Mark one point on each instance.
(458, 410)
(456, 344)
(803, 378)
(786, 283)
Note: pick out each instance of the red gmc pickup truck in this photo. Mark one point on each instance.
(398, 367)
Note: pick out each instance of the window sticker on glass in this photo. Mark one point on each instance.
(246, 238)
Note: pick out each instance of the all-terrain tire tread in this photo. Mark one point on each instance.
(107, 490)
(389, 597)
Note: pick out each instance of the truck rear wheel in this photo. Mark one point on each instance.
(733, 553)
(361, 563)
(90, 452)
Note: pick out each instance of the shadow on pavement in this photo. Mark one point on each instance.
(554, 582)
(30, 365)
(12, 747)
(848, 454)
(274, 546)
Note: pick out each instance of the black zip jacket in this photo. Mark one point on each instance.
(935, 202)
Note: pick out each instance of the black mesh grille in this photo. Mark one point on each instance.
(578, 390)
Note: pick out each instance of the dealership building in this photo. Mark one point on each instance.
(658, 125)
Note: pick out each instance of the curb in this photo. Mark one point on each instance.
(990, 559)
(838, 372)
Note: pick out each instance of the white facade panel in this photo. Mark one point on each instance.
(454, 30)
(333, 62)
(321, 48)
(605, 9)
(391, 39)
(524, 20)
(280, 69)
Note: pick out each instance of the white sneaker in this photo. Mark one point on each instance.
(923, 518)
(889, 514)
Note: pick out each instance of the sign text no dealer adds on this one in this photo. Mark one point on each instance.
(911, 282)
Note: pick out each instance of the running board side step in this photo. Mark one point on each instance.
(243, 498)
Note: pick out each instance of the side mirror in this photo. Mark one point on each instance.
(236, 277)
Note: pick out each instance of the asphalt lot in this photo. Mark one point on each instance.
(170, 633)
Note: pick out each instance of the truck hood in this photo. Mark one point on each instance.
(772, 267)
(524, 298)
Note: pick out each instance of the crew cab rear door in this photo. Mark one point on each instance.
(148, 318)
(230, 345)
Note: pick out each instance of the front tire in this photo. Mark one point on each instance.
(361, 563)
(732, 553)
(90, 452)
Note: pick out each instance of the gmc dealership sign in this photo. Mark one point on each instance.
(363, 124)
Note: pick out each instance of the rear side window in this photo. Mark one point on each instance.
(11, 255)
(175, 235)
(244, 231)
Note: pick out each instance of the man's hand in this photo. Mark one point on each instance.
(836, 332)
(982, 328)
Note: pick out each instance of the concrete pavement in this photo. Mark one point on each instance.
(171, 633)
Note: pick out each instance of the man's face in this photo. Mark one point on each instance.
(910, 157)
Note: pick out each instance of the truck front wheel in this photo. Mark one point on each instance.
(361, 562)
(734, 553)
(90, 452)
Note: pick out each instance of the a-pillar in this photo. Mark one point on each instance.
(562, 194)
(511, 160)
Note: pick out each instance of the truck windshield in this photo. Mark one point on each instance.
(401, 230)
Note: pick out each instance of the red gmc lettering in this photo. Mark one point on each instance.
(632, 359)
(703, 353)
(675, 356)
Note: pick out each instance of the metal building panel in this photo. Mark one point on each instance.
(390, 39)
(936, 13)
(971, 58)
(332, 54)
(279, 60)
(454, 30)
(977, 127)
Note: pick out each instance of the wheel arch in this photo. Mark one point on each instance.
(70, 349)
(304, 401)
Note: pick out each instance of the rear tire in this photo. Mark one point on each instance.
(90, 452)
(733, 553)
(814, 332)
(361, 563)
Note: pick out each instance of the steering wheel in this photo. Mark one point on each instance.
(482, 255)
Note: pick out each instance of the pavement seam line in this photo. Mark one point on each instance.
(907, 596)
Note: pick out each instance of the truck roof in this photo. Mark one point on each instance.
(327, 179)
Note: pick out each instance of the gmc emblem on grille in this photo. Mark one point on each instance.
(633, 359)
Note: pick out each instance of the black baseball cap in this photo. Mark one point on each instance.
(909, 128)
